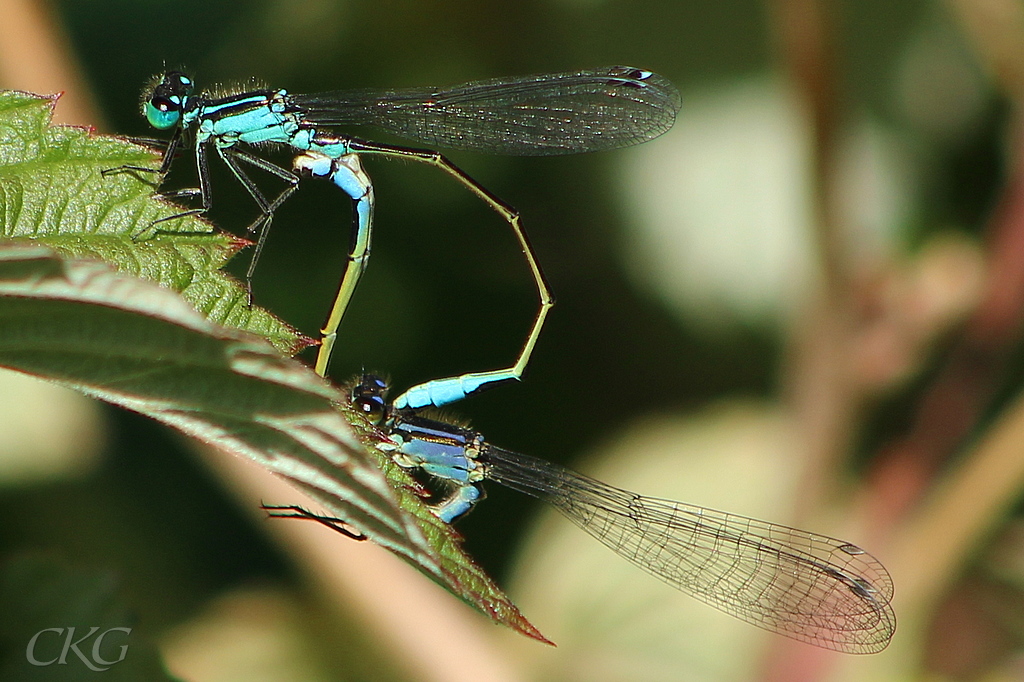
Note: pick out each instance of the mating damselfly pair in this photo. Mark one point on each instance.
(809, 587)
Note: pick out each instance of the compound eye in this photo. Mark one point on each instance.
(368, 397)
(163, 112)
(370, 405)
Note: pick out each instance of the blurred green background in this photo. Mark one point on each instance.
(683, 269)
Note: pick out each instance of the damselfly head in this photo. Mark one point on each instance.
(369, 395)
(165, 99)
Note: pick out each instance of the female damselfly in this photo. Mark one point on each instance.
(809, 587)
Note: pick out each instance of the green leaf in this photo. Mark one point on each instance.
(89, 299)
(52, 192)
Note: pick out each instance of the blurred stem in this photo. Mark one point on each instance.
(956, 518)
(821, 391)
(803, 33)
(35, 57)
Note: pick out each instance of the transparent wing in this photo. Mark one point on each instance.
(806, 586)
(562, 113)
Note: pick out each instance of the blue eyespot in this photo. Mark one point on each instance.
(162, 113)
